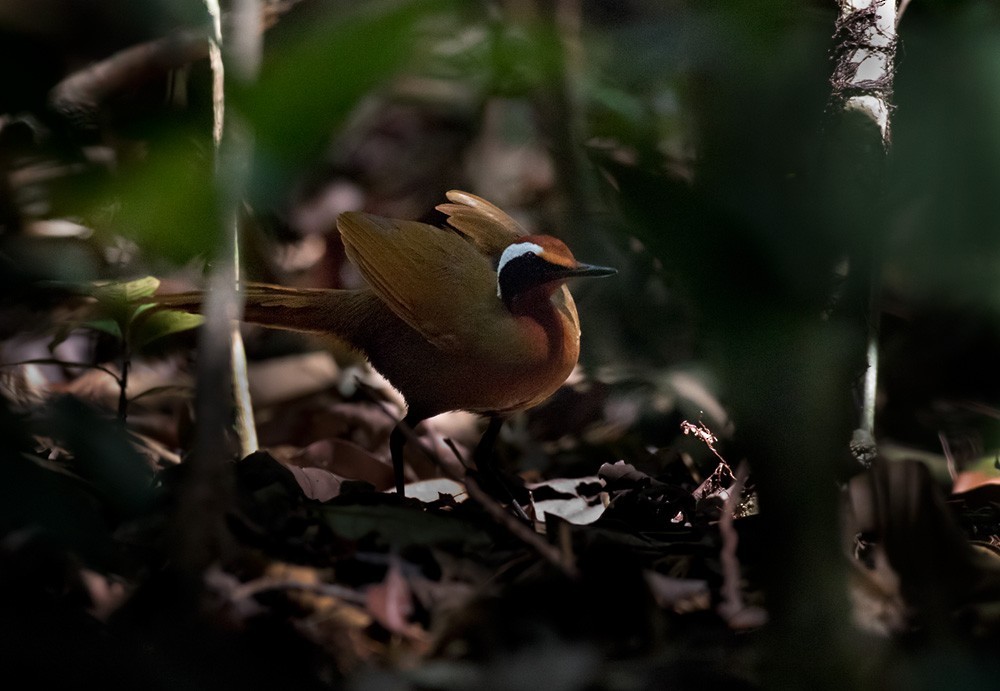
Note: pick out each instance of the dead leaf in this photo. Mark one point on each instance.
(971, 479)
(23, 386)
(460, 429)
(391, 604)
(316, 483)
(623, 473)
(431, 490)
(345, 459)
(443, 595)
(106, 596)
(568, 504)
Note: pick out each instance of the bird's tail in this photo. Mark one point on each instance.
(306, 310)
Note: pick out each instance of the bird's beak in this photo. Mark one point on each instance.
(589, 270)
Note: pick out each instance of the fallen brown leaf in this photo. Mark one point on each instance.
(346, 459)
(391, 604)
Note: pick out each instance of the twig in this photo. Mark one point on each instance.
(518, 509)
(870, 388)
(62, 363)
(232, 162)
(100, 368)
(413, 439)
(494, 510)
(731, 591)
(708, 438)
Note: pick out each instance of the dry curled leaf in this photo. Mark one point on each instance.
(564, 499)
(391, 604)
(317, 483)
(346, 459)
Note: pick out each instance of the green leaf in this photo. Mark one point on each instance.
(118, 292)
(108, 326)
(160, 324)
(141, 288)
(166, 202)
(116, 302)
(399, 526)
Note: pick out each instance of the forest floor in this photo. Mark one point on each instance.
(298, 565)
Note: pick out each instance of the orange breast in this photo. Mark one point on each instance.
(508, 369)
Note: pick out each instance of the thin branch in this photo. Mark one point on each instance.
(200, 535)
(870, 382)
(731, 591)
(218, 73)
(63, 363)
(232, 166)
(515, 527)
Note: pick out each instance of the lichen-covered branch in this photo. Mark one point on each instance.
(864, 54)
(864, 57)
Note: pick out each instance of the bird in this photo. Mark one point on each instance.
(474, 316)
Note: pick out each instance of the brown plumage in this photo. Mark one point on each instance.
(438, 320)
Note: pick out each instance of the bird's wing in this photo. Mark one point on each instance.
(488, 227)
(420, 272)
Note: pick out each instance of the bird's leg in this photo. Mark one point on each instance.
(483, 456)
(397, 440)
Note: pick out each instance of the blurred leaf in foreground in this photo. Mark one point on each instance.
(313, 79)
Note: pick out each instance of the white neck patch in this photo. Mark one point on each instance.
(518, 249)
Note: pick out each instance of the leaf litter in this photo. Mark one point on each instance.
(446, 587)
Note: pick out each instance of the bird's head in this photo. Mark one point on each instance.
(539, 262)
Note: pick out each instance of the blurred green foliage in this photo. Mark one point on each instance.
(314, 78)
(97, 481)
(167, 203)
(946, 158)
(704, 131)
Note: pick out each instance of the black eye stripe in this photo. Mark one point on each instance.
(522, 273)
(518, 249)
